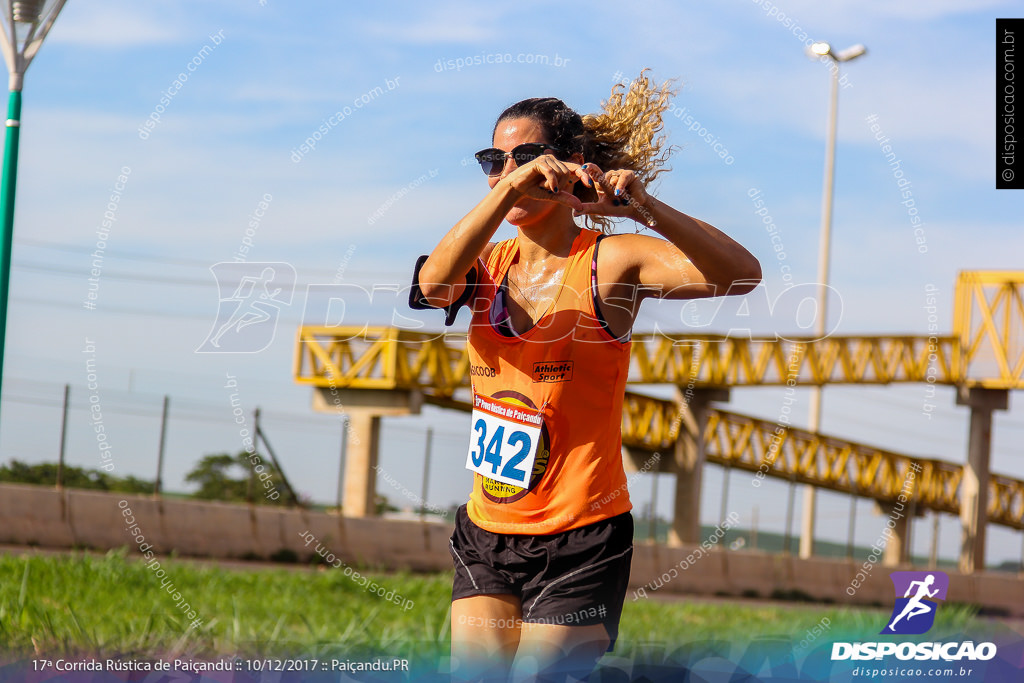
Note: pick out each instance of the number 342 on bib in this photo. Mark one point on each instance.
(504, 441)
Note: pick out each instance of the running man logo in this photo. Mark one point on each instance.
(251, 296)
(914, 613)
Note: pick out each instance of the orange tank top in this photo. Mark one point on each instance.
(573, 371)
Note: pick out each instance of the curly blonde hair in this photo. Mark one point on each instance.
(624, 135)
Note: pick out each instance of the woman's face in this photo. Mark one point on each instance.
(507, 135)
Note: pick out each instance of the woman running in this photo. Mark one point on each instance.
(542, 550)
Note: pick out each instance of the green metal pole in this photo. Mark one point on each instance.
(10, 180)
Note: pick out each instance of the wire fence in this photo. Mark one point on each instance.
(153, 421)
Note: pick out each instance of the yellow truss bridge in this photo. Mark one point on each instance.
(988, 352)
(983, 355)
(748, 443)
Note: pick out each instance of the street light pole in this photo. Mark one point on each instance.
(25, 25)
(824, 256)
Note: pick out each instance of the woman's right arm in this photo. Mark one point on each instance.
(443, 275)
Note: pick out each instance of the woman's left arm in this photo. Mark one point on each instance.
(713, 264)
(697, 260)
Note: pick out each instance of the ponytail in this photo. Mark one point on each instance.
(625, 135)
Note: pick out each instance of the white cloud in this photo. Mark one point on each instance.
(860, 14)
(450, 22)
(114, 25)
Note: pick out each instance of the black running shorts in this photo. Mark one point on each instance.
(573, 578)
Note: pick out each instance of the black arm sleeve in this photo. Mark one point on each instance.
(418, 302)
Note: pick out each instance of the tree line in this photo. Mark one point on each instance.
(218, 476)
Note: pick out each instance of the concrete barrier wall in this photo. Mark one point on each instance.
(719, 572)
(35, 515)
(46, 517)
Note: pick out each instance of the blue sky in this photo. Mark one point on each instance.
(227, 138)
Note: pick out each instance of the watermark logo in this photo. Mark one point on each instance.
(250, 299)
(914, 613)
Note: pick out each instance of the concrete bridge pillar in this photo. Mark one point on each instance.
(364, 408)
(688, 463)
(974, 483)
(897, 548)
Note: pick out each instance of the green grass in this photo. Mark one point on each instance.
(739, 622)
(106, 605)
(110, 606)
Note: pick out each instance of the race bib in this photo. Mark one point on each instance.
(503, 444)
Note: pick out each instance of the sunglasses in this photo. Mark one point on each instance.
(492, 160)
